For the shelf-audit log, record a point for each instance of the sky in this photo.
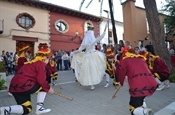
(94, 7)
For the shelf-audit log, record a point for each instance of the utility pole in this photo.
(113, 22)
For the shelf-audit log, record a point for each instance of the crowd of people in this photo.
(144, 71)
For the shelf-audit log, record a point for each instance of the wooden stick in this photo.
(59, 86)
(61, 95)
(113, 97)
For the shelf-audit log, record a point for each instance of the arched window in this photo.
(61, 26)
(25, 20)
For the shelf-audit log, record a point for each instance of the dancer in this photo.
(140, 79)
(89, 65)
(160, 70)
(111, 64)
(52, 73)
(23, 55)
(31, 78)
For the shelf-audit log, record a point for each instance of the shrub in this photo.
(2, 82)
(172, 76)
(2, 66)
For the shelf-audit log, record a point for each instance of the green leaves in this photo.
(169, 9)
(2, 83)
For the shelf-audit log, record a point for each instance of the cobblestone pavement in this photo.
(93, 102)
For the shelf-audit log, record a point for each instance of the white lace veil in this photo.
(88, 39)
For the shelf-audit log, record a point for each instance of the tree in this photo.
(111, 13)
(156, 34)
(169, 9)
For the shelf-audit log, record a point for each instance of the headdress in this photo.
(110, 53)
(23, 47)
(42, 53)
(43, 48)
(90, 27)
(128, 53)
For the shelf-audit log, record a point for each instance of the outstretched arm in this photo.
(102, 36)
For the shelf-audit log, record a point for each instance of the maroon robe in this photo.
(21, 62)
(160, 67)
(28, 76)
(140, 79)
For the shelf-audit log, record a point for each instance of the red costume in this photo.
(159, 66)
(111, 65)
(20, 62)
(29, 79)
(52, 72)
(22, 58)
(160, 70)
(140, 79)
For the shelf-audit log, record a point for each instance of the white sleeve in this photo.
(98, 38)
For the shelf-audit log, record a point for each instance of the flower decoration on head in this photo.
(43, 48)
(129, 53)
(42, 53)
(110, 53)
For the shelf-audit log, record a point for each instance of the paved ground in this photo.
(96, 102)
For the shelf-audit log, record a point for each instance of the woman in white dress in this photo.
(89, 65)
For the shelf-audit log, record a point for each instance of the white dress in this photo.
(90, 65)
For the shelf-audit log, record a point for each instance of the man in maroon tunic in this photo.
(140, 79)
(31, 78)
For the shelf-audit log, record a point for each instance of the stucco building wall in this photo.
(8, 12)
(67, 41)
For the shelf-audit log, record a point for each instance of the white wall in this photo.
(119, 30)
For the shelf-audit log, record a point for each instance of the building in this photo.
(35, 22)
(135, 23)
(23, 21)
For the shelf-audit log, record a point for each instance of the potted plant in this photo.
(2, 76)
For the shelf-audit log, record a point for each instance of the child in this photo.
(52, 72)
(111, 65)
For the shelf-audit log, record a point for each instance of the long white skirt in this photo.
(89, 67)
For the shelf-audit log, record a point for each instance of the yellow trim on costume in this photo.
(150, 65)
(22, 54)
(157, 75)
(24, 48)
(27, 103)
(38, 90)
(44, 52)
(115, 83)
(52, 63)
(37, 58)
(56, 73)
(29, 109)
(110, 69)
(131, 108)
(131, 55)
